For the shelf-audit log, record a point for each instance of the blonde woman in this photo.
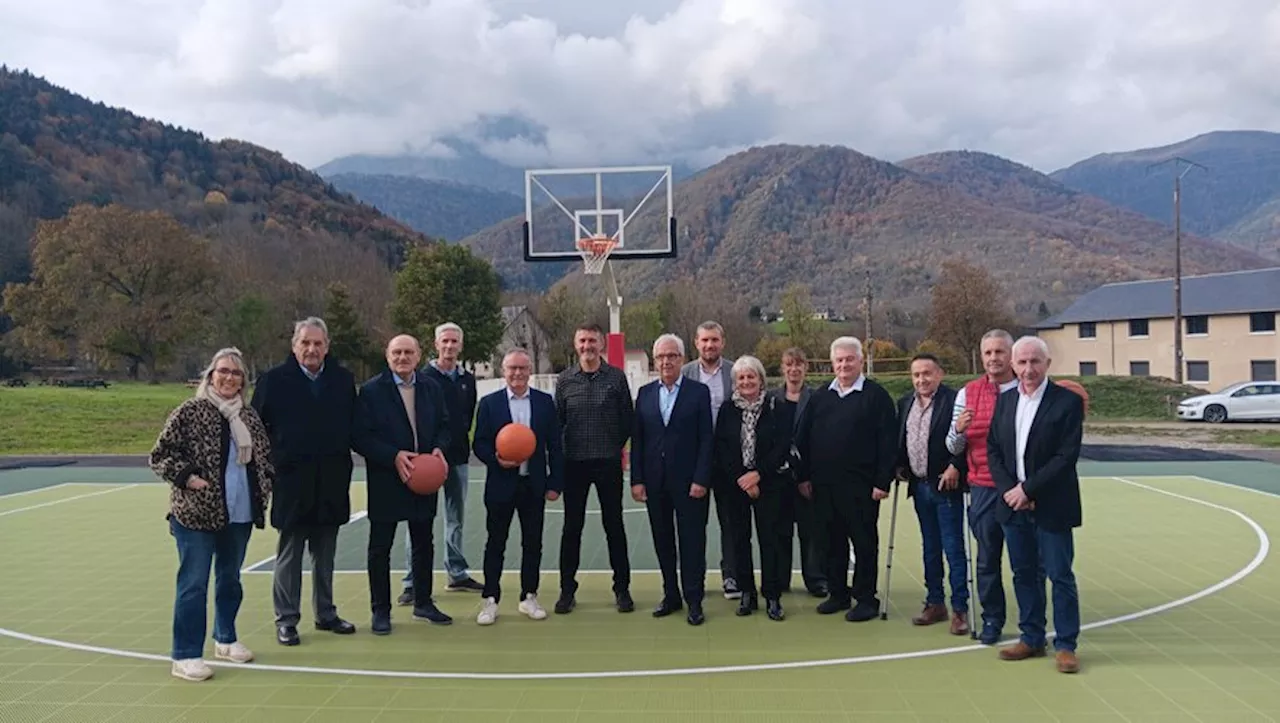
(215, 453)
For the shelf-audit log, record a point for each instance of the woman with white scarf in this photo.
(215, 454)
(749, 458)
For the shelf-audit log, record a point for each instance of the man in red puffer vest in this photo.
(975, 404)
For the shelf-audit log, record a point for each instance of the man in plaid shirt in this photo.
(594, 404)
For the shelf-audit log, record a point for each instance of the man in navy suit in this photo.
(517, 488)
(1033, 448)
(401, 415)
(671, 473)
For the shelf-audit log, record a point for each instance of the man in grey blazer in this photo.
(716, 372)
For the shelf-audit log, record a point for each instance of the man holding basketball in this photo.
(517, 482)
(401, 415)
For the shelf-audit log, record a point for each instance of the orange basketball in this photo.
(516, 442)
(429, 474)
(1077, 388)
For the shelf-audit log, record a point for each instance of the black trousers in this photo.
(773, 529)
(678, 523)
(530, 506)
(579, 476)
(801, 518)
(728, 565)
(848, 514)
(382, 536)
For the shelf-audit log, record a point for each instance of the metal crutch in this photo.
(888, 570)
(969, 565)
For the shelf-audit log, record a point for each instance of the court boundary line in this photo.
(253, 569)
(1264, 546)
(33, 490)
(51, 503)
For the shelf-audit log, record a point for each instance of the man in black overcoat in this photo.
(308, 406)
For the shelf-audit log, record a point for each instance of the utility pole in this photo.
(1177, 259)
(866, 320)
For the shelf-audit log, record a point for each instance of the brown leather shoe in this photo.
(1021, 651)
(1067, 662)
(930, 614)
(959, 624)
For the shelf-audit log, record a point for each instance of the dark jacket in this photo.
(460, 399)
(851, 442)
(383, 431)
(676, 455)
(944, 400)
(1052, 452)
(310, 427)
(772, 453)
(195, 441)
(546, 466)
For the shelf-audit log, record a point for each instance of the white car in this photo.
(1243, 401)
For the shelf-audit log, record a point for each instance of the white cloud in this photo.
(1044, 82)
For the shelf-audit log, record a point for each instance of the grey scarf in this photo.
(750, 416)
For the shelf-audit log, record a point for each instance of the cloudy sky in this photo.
(1044, 82)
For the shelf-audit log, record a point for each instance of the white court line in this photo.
(33, 491)
(66, 499)
(1229, 485)
(1264, 546)
(254, 567)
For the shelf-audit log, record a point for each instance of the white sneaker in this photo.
(488, 612)
(235, 652)
(193, 669)
(529, 606)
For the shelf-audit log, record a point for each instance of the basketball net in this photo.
(595, 252)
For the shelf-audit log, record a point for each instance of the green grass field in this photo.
(126, 417)
(1177, 592)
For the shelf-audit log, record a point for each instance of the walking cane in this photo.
(888, 571)
(969, 565)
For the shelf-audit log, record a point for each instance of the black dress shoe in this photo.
(337, 625)
(381, 623)
(695, 615)
(865, 610)
(625, 603)
(774, 609)
(748, 604)
(833, 605)
(665, 608)
(565, 604)
(819, 590)
(406, 597)
(431, 613)
(287, 635)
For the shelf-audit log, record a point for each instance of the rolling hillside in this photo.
(769, 216)
(439, 209)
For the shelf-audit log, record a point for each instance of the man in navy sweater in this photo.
(848, 444)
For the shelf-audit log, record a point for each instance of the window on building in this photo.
(1197, 324)
(1262, 321)
(1139, 369)
(1088, 369)
(1262, 370)
(1197, 371)
(1139, 327)
(1088, 330)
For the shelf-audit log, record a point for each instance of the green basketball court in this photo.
(1177, 587)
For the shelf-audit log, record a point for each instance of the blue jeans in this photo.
(989, 535)
(941, 518)
(197, 553)
(1034, 554)
(455, 506)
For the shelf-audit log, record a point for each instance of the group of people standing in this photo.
(707, 431)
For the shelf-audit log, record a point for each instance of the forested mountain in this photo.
(439, 209)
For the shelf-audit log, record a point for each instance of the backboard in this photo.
(631, 206)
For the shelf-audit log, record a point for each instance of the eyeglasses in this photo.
(228, 372)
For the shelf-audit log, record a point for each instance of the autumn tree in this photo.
(559, 313)
(445, 282)
(349, 340)
(642, 323)
(685, 304)
(966, 303)
(803, 331)
(128, 284)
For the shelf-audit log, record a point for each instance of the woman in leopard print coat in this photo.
(215, 453)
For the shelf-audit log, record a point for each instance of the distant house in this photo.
(520, 329)
(1229, 329)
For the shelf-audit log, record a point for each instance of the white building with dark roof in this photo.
(1126, 329)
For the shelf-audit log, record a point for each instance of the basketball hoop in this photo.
(595, 252)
